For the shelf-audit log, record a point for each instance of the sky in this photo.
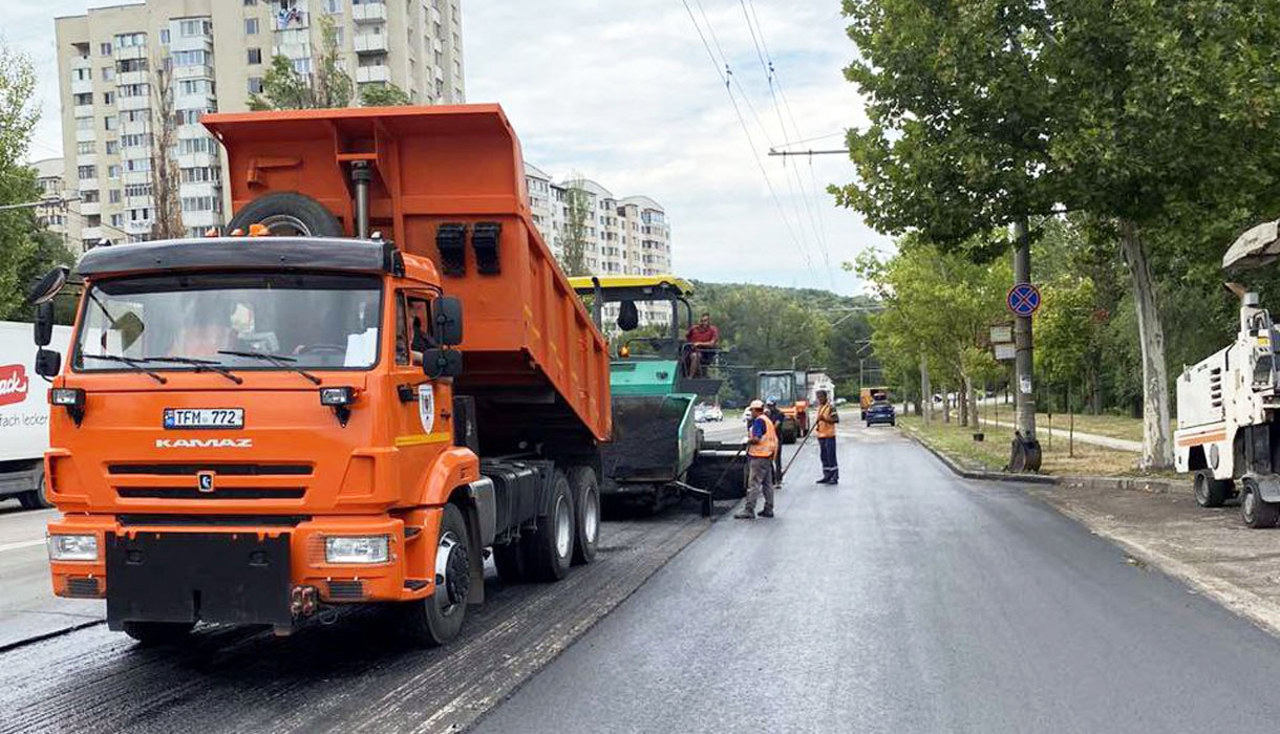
(634, 101)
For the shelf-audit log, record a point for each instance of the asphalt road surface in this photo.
(28, 608)
(905, 600)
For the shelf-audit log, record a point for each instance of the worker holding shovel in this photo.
(825, 426)
(762, 443)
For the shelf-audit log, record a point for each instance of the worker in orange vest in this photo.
(762, 443)
(825, 426)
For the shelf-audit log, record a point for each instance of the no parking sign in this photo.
(1023, 299)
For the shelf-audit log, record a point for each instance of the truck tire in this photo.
(288, 214)
(158, 633)
(437, 619)
(1211, 492)
(1256, 512)
(509, 559)
(586, 507)
(550, 548)
(39, 496)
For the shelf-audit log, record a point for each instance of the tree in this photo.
(284, 88)
(333, 83)
(383, 95)
(19, 226)
(1134, 112)
(166, 222)
(572, 240)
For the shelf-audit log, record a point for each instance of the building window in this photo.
(251, 26)
(108, 98)
(136, 190)
(113, 196)
(131, 65)
(250, 3)
(113, 171)
(84, 172)
(109, 123)
(125, 40)
(303, 65)
(137, 165)
(255, 85)
(190, 58)
(113, 147)
(117, 220)
(82, 99)
(104, 49)
(84, 148)
(108, 73)
(255, 56)
(194, 27)
(333, 7)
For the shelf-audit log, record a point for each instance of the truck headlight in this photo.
(71, 397)
(357, 549)
(73, 547)
(337, 396)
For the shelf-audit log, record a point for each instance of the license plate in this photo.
(204, 417)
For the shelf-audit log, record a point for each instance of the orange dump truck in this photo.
(353, 408)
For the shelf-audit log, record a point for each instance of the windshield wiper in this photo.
(134, 363)
(276, 359)
(201, 365)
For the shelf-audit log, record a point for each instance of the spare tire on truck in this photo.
(288, 214)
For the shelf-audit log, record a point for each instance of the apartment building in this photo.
(625, 236)
(125, 69)
(61, 218)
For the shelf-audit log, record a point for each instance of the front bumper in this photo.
(187, 569)
(873, 419)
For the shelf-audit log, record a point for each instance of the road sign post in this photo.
(1023, 301)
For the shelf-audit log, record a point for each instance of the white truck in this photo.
(1228, 435)
(24, 414)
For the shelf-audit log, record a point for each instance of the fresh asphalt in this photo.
(905, 600)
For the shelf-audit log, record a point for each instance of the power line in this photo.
(766, 62)
(751, 142)
(797, 187)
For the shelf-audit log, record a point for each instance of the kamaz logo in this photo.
(204, 443)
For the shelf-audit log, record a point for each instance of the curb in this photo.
(1134, 484)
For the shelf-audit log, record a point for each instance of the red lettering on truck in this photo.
(13, 384)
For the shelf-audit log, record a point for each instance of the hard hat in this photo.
(756, 405)
(771, 401)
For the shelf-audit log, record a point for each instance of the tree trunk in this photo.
(964, 401)
(926, 391)
(1157, 444)
(973, 404)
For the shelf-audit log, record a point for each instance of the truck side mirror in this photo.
(447, 313)
(44, 324)
(441, 363)
(48, 363)
(48, 286)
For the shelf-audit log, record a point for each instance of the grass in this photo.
(1112, 426)
(993, 453)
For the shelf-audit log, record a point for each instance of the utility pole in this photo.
(1026, 450)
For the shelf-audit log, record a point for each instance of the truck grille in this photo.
(229, 493)
(346, 590)
(228, 470)
(84, 588)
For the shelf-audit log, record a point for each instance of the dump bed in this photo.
(448, 184)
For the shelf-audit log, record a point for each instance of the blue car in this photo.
(881, 412)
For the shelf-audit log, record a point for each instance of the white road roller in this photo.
(1228, 434)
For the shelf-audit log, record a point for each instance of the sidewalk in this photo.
(1119, 444)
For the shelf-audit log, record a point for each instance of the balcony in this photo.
(141, 227)
(124, 53)
(197, 160)
(81, 62)
(81, 86)
(295, 21)
(88, 184)
(370, 43)
(195, 71)
(91, 233)
(133, 77)
(369, 13)
(373, 74)
(140, 102)
(201, 219)
(137, 177)
(86, 136)
(82, 110)
(89, 208)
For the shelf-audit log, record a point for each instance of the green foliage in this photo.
(572, 241)
(18, 227)
(284, 88)
(333, 83)
(383, 95)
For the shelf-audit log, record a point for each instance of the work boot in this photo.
(745, 515)
(824, 480)
(766, 513)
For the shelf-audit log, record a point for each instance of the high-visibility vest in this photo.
(823, 425)
(768, 443)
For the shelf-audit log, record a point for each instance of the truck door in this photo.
(420, 433)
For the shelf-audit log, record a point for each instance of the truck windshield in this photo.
(307, 320)
(778, 387)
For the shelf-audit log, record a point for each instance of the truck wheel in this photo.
(1255, 512)
(288, 213)
(586, 506)
(550, 547)
(39, 497)
(437, 619)
(158, 633)
(510, 561)
(1211, 492)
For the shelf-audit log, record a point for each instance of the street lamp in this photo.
(796, 356)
